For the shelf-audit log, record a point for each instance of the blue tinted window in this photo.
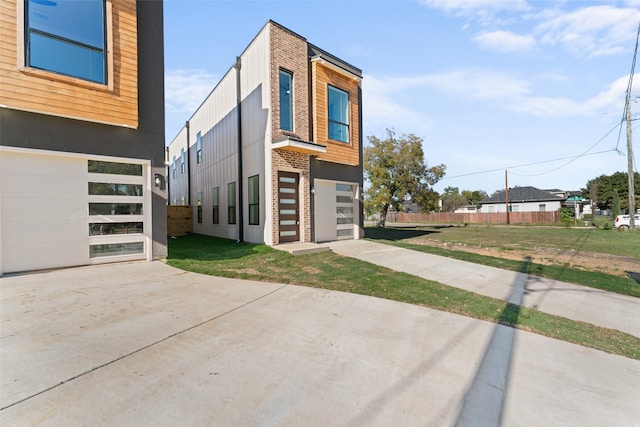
(286, 101)
(338, 114)
(67, 37)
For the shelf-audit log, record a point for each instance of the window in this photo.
(114, 189)
(67, 37)
(286, 101)
(338, 102)
(215, 195)
(198, 148)
(254, 200)
(182, 160)
(175, 168)
(542, 207)
(114, 168)
(199, 205)
(231, 203)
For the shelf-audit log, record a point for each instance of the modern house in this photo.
(81, 133)
(274, 153)
(522, 199)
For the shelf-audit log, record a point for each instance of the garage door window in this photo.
(116, 206)
(344, 210)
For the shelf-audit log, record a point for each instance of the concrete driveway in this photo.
(146, 344)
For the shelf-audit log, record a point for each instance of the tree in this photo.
(604, 187)
(395, 170)
(452, 199)
(615, 204)
(474, 197)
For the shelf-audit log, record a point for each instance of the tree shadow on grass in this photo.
(633, 275)
(397, 233)
(208, 248)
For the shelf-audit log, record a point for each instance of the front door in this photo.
(288, 206)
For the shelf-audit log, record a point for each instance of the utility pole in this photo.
(506, 192)
(630, 175)
(632, 196)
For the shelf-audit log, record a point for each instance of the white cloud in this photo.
(383, 105)
(186, 89)
(505, 41)
(591, 31)
(467, 7)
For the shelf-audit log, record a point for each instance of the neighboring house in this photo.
(274, 153)
(82, 133)
(522, 199)
(468, 209)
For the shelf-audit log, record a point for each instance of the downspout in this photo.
(240, 202)
(188, 167)
(168, 169)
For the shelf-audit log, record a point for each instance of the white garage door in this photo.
(66, 210)
(336, 212)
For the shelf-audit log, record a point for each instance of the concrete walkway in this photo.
(145, 344)
(563, 299)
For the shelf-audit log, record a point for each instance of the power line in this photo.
(570, 158)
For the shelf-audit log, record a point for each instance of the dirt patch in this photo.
(609, 264)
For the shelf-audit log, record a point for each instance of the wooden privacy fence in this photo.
(477, 218)
(179, 220)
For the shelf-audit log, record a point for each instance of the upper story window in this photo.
(67, 37)
(338, 114)
(182, 160)
(286, 100)
(198, 148)
(175, 168)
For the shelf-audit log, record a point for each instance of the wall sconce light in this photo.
(158, 180)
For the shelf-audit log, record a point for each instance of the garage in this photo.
(64, 209)
(336, 211)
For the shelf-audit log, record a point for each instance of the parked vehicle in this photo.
(622, 222)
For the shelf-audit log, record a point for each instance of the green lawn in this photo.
(522, 238)
(222, 257)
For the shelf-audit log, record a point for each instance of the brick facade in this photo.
(290, 52)
(293, 162)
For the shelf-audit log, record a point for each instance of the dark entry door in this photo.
(288, 206)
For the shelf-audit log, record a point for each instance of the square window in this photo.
(67, 37)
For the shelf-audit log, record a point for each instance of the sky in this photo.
(533, 87)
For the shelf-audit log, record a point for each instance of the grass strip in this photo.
(592, 279)
(327, 270)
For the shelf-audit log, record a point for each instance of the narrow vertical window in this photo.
(175, 167)
(199, 206)
(338, 114)
(286, 101)
(67, 37)
(215, 196)
(231, 203)
(182, 160)
(198, 148)
(254, 200)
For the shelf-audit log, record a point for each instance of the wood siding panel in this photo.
(50, 93)
(337, 152)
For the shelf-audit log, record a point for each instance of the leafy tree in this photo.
(615, 204)
(474, 197)
(396, 171)
(601, 190)
(452, 199)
